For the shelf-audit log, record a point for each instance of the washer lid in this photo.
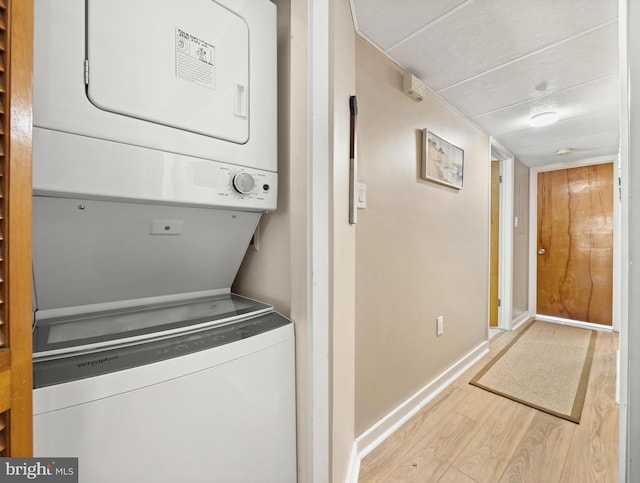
(95, 330)
(180, 64)
(88, 252)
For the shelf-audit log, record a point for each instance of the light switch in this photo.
(439, 325)
(361, 202)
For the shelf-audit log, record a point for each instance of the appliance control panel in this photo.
(253, 185)
(248, 184)
(243, 183)
(80, 167)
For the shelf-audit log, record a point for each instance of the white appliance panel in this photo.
(185, 67)
(232, 406)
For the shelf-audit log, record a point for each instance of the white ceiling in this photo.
(499, 62)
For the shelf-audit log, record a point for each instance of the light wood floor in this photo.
(468, 435)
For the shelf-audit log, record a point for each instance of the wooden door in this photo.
(16, 53)
(575, 243)
(495, 244)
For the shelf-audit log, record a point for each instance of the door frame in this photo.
(505, 244)
(533, 241)
(318, 242)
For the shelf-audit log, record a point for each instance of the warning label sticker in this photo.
(195, 59)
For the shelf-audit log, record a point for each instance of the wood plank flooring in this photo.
(468, 435)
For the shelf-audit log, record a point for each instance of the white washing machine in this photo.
(154, 158)
(212, 405)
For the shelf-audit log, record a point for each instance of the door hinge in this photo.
(500, 179)
(86, 71)
(620, 187)
(499, 303)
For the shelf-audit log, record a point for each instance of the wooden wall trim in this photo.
(18, 219)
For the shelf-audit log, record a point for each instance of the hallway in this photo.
(468, 435)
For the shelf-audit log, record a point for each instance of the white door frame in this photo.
(318, 233)
(505, 247)
(628, 387)
(533, 239)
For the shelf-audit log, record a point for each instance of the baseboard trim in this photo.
(519, 320)
(376, 434)
(354, 465)
(573, 323)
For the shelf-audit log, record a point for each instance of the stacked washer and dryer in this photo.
(154, 157)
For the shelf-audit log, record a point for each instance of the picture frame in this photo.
(442, 161)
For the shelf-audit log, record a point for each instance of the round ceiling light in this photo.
(543, 119)
(564, 151)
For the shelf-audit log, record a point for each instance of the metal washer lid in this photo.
(92, 252)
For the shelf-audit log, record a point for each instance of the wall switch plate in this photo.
(439, 325)
(361, 201)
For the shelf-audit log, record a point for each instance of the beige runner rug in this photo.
(546, 367)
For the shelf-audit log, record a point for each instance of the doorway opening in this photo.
(494, 297)
(573, 243)
(501, 256)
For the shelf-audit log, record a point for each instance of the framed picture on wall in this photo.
(442, 162)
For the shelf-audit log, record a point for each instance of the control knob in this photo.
(243, 183)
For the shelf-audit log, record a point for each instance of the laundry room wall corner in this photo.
(265, 273)
(277, 271)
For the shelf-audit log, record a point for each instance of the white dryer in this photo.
(164, 100)
(154, 158)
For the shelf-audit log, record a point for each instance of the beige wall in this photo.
(265, 273)
(422, 250)
(520, 239)
(343, 243)
(277, 273)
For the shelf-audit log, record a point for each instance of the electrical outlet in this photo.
(439, 325)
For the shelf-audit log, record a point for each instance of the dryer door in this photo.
(180, 64)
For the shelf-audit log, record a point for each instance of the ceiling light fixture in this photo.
(564, 151)
(543, 119)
